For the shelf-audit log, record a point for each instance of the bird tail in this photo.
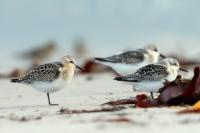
(125, 78)
(101, 59)
(119, 78)
(15, 80)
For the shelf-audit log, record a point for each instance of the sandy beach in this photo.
(23, 109)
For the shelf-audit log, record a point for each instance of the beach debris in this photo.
(196, 105)
(41, 52)
(12, 74)
(185, 92)
(120, 119)
(145, 101)
(80, 50)
(191, 110)
(14, 117)
(185, 62)
(80, 47)
(96, 110)
(121, 102)
(17, 73)
(92, 67)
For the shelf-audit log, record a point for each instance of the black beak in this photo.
(79, 68)
(183, 70)
(163, 56)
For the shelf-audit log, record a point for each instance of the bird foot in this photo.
(53, 104)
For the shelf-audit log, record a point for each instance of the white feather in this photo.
(127, 69)
(151, 86)
(49, 86)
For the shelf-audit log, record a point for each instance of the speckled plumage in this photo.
(150, 72)
(45, 73)
(153, 76)
(127, 57)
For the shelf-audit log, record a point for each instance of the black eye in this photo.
(156, 49)
(175, 64)
(71, 62)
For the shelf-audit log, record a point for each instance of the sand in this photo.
(19, 102)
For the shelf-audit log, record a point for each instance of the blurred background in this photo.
(49, 29)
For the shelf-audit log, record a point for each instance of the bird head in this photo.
(69, 61)
(152, 49)
(173, 63)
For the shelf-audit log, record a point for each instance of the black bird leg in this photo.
(50, 101)
(151, 94)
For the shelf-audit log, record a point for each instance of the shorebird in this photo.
(130, 61)
(152, 77)
(42, 52)
(50, 77)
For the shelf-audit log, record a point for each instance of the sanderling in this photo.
(41, 53)
(152, 77)
(130, 61)
(50, 77)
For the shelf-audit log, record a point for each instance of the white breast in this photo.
(172, 74)
(152, 57)
(125, 69)
(151, 86)
(49, 86)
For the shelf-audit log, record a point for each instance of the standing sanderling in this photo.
(130, 61)
(152, 77)
(50, 77)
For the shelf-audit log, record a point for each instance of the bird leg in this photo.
(151, 94)
(50, 104)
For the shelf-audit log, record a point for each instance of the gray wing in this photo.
(46, 73)
(129, 57)
(150, 72)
